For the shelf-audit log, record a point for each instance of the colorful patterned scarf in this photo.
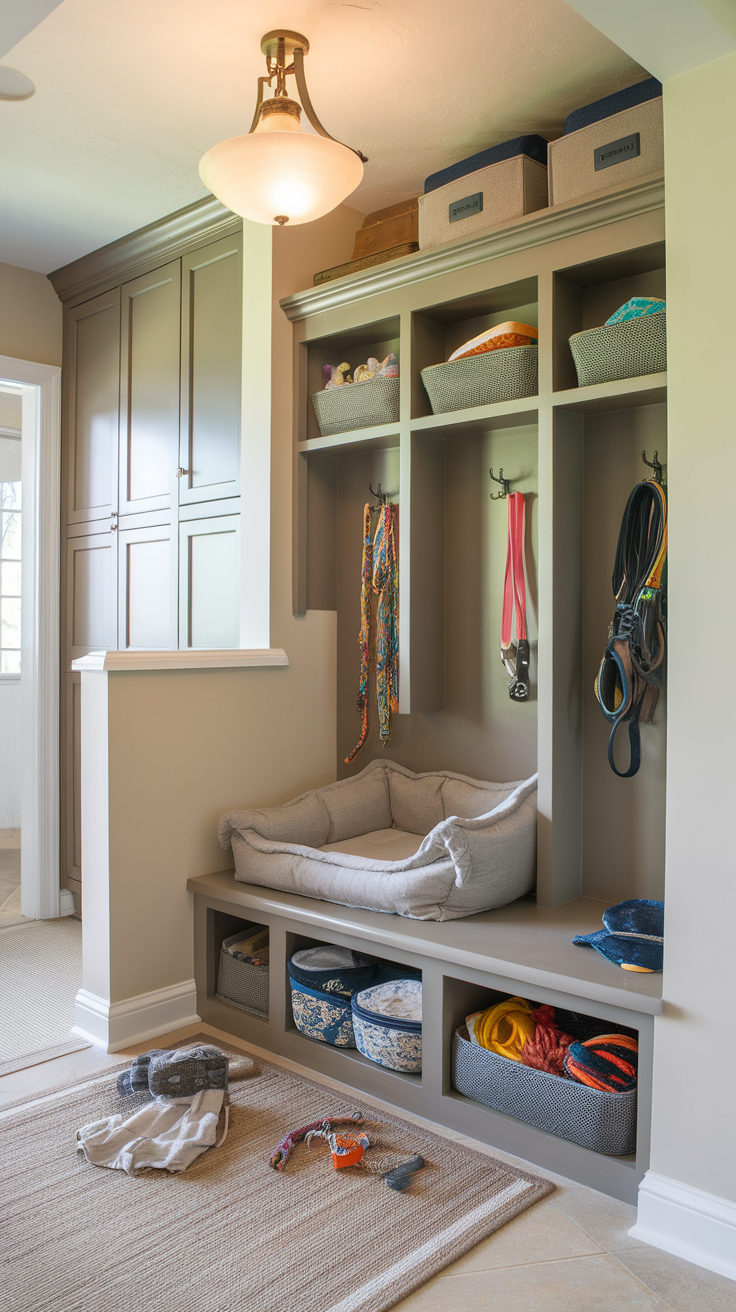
(379, 574)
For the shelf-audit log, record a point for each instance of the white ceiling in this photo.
(130, 93)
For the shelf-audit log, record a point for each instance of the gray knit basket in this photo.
(240, 983)
(621, 350)
(357, 405)
(483, 379)
(605, 1122)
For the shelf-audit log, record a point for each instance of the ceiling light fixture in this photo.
(277, 173)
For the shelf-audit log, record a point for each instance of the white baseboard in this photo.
(687, 1222)
(66, 902)
(115, 1025)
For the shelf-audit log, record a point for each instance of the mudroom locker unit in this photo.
(151, 456)
(576, 453)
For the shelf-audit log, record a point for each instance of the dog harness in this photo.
(627, 684)
(515, 656)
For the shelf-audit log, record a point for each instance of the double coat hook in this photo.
(653, 464)
(378, 493)
(505, 485)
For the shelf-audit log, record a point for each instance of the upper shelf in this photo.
(360, 439)
(651, 389)
(523, 942)
(480, 418)
(552, 224)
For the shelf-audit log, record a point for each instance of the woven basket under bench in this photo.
(605, 1122)
(243, 984)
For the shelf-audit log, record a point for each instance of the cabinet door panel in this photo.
(149, 393)
(92, 407)
(209, 582)
(147, 619)
(211, 370)
(91, 591)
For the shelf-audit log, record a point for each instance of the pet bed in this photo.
(433, 846)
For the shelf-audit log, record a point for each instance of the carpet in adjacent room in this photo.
(40, 975)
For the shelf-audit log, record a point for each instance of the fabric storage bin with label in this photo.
(357, 405)
(621, 350)
(242, 975)
(609, 143)
(387, 1021)
(323, 980)
(604, 1122)
(482, 379)
(500, 187)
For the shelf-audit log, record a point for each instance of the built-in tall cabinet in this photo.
(151, 454)
(575, 452)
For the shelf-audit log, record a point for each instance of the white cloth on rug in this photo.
(168, 1133)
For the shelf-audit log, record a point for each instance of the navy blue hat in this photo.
(633, 937)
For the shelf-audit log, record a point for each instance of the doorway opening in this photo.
(29, 642)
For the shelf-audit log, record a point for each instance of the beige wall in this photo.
(186, 746)
(30, 316)
(695, 1054)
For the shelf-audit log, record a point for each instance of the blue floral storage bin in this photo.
(387, 1023)
(323, 980)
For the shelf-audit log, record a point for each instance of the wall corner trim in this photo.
(230, 658)
(115, 1025)
(697, 1226)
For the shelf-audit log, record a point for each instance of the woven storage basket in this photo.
(484, 379)
(240, 983)
(357, 405)
(605, 1122)
(621, 350)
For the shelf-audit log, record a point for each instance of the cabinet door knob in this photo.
(181, 472)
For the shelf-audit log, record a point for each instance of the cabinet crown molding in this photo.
(144, 249)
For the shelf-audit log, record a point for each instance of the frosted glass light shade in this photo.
(268, 175)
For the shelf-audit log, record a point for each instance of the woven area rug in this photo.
(230, 1234)
(40, 974)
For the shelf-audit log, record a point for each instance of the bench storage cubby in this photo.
(602, 1121)
(242, 978)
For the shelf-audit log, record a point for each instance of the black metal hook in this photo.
(378, 493)
(653, 464)
(505, 485)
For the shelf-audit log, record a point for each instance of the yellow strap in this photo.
(505, 1027)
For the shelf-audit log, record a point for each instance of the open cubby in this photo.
(461, 999)
(354, 346)
(220, 926)
(623, 819)
(438, 330)
(586, 295)
(458, 550)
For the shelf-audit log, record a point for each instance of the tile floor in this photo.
(570, 1253)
